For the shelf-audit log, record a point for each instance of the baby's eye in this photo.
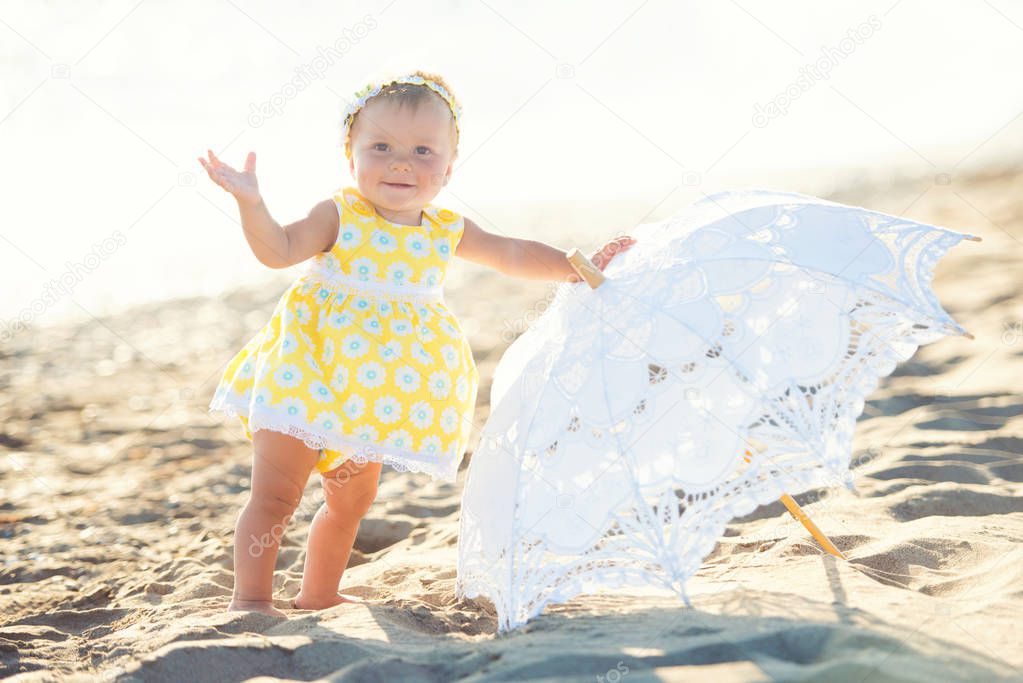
(424, 148)
(379, 144)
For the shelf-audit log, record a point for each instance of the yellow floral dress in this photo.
(362, 358)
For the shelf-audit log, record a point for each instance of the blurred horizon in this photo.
(605, 114)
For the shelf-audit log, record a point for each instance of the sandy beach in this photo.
(119, 494)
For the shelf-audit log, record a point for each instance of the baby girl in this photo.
(362, 364)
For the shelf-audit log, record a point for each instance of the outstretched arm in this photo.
(274, 246)
(529, 259)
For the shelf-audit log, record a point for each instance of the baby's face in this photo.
(401, 160)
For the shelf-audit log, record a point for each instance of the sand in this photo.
(119, 494)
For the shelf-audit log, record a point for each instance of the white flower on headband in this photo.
(372, 89)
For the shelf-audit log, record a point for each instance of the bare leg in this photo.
(280, 469)
(349, 492)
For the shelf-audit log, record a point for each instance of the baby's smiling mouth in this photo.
(399, 185)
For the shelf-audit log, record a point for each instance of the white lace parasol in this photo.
(721, 365)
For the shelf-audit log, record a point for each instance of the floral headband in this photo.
(371, 89)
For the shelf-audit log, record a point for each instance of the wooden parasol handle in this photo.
(585, 268)
(793, 507)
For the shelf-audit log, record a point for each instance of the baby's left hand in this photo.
(607, 252)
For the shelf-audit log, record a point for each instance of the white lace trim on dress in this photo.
(372, 288)
(358, 450)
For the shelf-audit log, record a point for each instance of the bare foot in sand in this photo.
(302, 602)
(266, 607)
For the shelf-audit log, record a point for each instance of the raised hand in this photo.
(241, 184)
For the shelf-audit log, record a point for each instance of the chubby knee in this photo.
(350, 502)
(271, 504)
(353, 496)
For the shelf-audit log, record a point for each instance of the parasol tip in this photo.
(974, 238)
(968, 335)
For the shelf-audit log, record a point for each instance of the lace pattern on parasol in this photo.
(799, 436)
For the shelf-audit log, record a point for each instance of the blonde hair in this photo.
(401, 94)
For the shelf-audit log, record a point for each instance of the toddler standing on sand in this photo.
(361, 363)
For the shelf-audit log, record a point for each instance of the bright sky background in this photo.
(104, 107)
